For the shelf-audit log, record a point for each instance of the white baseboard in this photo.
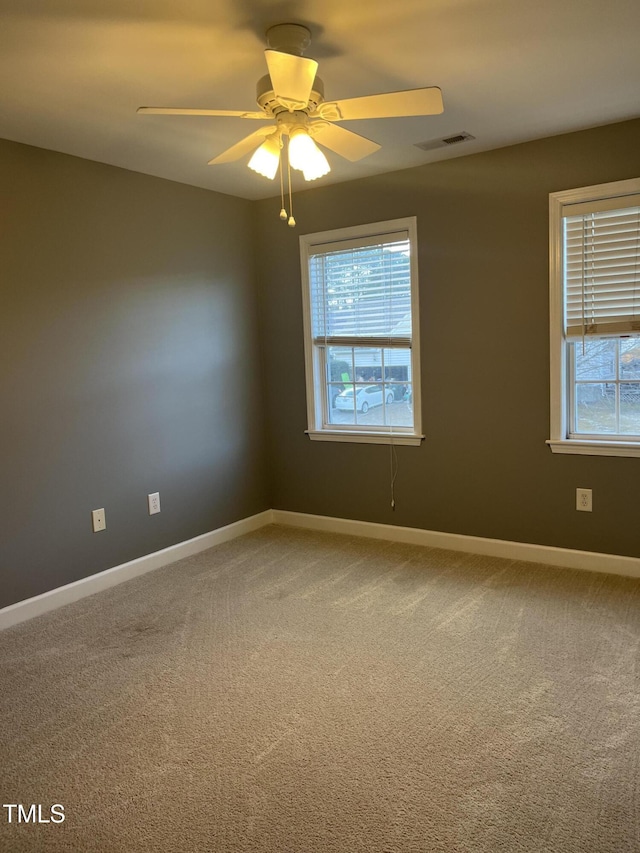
(39, 604)
(586, 560)
(565, 557)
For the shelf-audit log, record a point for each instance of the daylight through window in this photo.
(596, 328)
(360, 293)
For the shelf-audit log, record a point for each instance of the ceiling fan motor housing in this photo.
(266, 97)
(289, 38)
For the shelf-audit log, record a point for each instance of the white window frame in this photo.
(318, 430)
(560, 378)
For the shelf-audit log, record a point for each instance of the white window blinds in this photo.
(602, 267)
(361, 291)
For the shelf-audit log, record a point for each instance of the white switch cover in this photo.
(154, 503)
(99, 520)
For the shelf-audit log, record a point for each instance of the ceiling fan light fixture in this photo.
(266, 158)
(291, 96)
(305, 155)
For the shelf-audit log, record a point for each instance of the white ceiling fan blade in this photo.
(249, 143)
(344, 142)
(292, 78)
(175, 111)
(412, 102)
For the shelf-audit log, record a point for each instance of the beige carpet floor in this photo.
(293, 691)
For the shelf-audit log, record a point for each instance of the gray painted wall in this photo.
(129, 360)
(128, 364)
(484, 468)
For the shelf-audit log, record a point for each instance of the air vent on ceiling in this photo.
(456, 139)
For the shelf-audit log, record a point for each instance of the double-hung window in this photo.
(362, 357)
(595, 320)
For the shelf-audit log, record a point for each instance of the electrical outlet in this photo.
(584, 500)
(154, 503)
(99, 520)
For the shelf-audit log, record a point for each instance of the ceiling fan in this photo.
(291, 98)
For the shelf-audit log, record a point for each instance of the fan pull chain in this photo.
(393, 460)
(283, 212)
(393, 455)
(291, 221)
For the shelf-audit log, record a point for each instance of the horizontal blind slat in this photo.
(602, 268)
(604, 206)
(359, 243)
(363, 291)
(371, 342)
(605, 329)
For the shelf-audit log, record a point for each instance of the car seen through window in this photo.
(366, 397)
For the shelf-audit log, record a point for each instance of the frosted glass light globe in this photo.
(266, 158)
(305, 155)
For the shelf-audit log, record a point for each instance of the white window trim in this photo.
(559, 442)
(363, 435)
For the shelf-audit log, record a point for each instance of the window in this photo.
(360, 297)
(595, 320)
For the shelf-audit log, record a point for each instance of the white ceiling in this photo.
(73, 72)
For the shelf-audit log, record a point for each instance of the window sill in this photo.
(365, 437)
(594, 448)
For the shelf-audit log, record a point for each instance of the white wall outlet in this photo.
(99, 520)
(584, 500)
(154, 503)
